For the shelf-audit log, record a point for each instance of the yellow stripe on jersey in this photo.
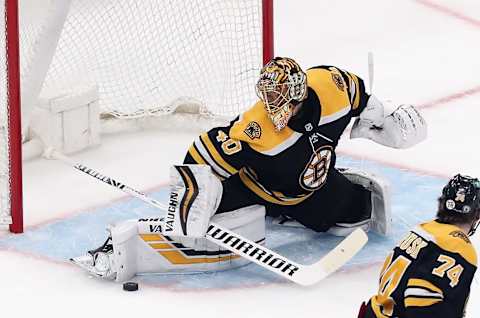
(450, 238)
(199, 160)
(420, 302)
(268, 138)
(353, 82)
(387, 262)
(375, 305)
(274, 197)
(196, 156)
(356, 101)
(333, 94)
(417, 282)
(215, 155)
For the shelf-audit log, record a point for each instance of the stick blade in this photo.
(336, 258)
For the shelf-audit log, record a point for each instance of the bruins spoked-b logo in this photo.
(315, 173)
(253, 130)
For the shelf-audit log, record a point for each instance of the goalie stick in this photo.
(301, 274)
(370, 71)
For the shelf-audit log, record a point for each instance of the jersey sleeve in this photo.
(438, 286)
(349, 83)
(216, 148)
(356, 92)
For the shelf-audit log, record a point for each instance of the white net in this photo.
(146, 57)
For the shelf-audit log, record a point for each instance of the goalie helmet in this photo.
(461, 197)
(281, 82)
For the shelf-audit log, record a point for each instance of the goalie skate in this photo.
(98, 262)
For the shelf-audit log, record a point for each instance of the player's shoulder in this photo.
(331, 88)
(449, 238)
(324, 77)
(255, 128)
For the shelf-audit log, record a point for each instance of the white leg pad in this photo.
(339, 229)
(381, 219)
(345, 229)
(140, 247)
(124, 236)
(195, 194)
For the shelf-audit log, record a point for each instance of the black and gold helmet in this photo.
(462, 194)
(460, 202)
(281, 82)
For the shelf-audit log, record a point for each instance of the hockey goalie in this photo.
(276, 159)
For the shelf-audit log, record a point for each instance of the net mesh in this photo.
(146, 57)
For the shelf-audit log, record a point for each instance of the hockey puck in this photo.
(130, 286)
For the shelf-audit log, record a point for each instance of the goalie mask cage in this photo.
(144, 56)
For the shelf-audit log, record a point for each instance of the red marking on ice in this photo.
(69, 214)
(450, 12)
(451, 98)
(464, 18)
(395, 165)
(34, 256)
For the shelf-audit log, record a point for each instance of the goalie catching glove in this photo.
(401, 128)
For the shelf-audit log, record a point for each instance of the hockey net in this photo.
(144, 58)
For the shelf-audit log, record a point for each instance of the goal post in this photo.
(11, 203)
(267, 30)
(130, 58)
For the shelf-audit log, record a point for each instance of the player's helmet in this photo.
(461, 198)
(281, 82)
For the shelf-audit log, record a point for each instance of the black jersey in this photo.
(427, 275)
(285, 167)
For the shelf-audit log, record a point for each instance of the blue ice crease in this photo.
(413, 201)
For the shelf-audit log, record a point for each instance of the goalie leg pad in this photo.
(339, 229)
(379, 202)
(159, 253)
(345, 229)
(124, 236)
(381, 218)
(116, 258)
(139, 247)
(195, 194)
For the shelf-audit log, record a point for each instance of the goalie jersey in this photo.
(285, 167)
(427, 275)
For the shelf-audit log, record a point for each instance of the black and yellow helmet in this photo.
(281, 82)
(462, 194)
